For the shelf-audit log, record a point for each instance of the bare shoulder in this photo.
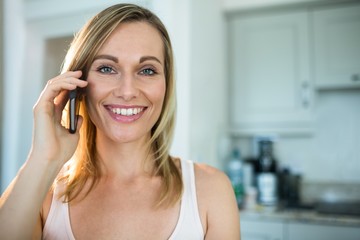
(211, 184)
(217, 203)
(208, 175)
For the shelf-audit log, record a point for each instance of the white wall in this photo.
(333, 154)
(208, 108)
(14, 45)
(1, 75)
(231, 5)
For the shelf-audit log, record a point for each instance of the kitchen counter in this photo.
(299, 216)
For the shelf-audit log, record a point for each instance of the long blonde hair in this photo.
(80, 56)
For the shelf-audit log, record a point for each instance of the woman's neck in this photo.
(124, 160)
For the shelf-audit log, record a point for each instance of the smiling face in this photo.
(127, 84)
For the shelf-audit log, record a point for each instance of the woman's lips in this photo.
(125, 114)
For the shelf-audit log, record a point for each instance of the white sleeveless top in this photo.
(58, 227)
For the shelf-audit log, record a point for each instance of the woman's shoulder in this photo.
(208, 175)
(210, 179)
(216, 202)
(211, 183)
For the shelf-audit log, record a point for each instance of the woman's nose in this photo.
(126, 88)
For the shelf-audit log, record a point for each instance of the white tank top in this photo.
(57, 225)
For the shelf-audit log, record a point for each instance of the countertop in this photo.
(299, 216)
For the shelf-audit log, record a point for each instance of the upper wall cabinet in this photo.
(336, 34)
(270, 83)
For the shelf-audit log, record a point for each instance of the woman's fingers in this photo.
(65, 81)
(60, 103)
(51, 93)
(54, 97)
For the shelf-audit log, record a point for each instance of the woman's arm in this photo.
(52, 146)
(217, 199)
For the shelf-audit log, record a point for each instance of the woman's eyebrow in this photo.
(145, 58)
(105, 56)
(115, 59)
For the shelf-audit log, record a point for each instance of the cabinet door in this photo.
(337, 47)
(321, 232)
(261, 230)
(271, 88)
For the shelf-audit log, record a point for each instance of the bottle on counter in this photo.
(266, 179)
(250, 190)
(289, 187)
(235, 173)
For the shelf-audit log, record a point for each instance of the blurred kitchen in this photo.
(268, 91)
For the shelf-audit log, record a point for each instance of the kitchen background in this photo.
(288, 69)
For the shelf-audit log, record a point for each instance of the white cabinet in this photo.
(297, 231)
(294, 230)
(261, 230)
(337, 47)
(270, 83)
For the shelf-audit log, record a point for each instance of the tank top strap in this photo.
(57, 225)
(189, 225)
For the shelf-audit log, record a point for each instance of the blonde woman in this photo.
(114, 178)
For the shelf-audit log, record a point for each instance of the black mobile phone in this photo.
(74, 105)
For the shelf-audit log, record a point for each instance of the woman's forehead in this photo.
(134, 38)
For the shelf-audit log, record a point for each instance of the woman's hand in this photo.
(51, 140)
(52, 146)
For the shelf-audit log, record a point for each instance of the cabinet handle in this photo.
(305, 94)
(355, 77)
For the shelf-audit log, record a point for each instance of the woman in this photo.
(120, 181)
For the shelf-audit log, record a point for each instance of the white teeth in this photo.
(126, 111)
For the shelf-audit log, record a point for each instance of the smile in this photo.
(127, 111)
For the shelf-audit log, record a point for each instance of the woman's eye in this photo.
(147, 72)
(105, 69)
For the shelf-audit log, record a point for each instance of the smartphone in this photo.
(74, 105)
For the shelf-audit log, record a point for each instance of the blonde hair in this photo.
(80, 56)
